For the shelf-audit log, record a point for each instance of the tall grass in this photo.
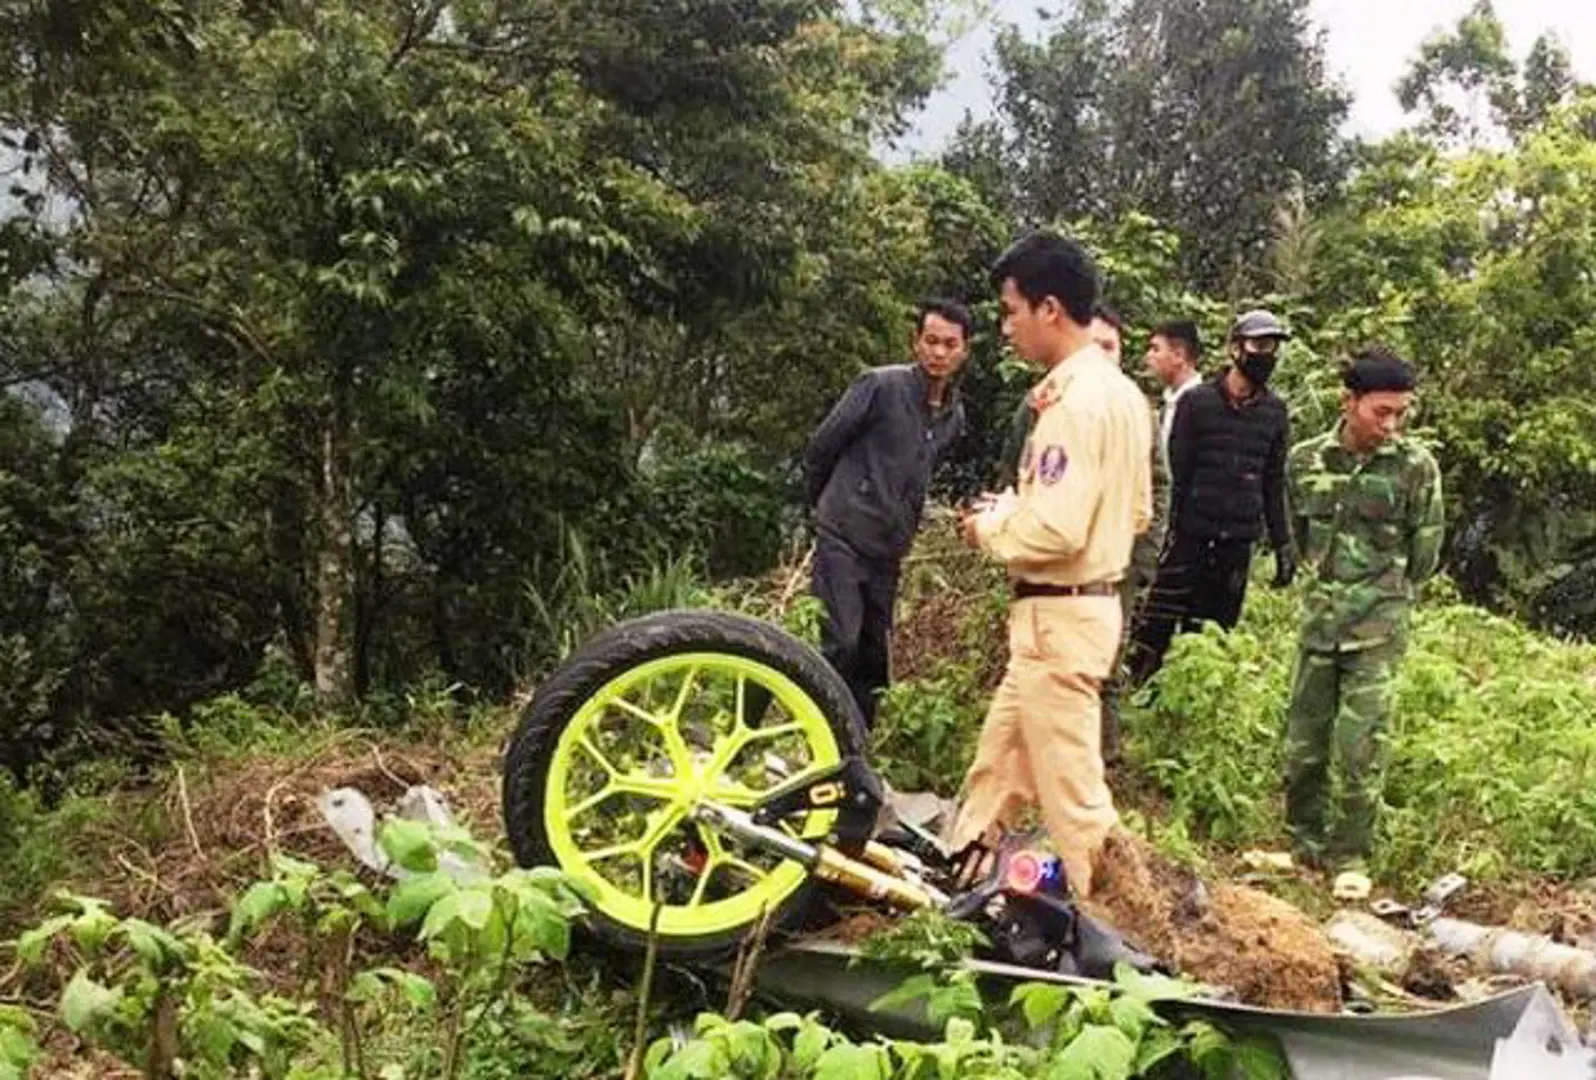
(585, 591)
(1489, 752)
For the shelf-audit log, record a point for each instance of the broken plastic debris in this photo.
(1268, 860)
(352, 817)
(1544, 1045)
(1351, 886)
(1371, 942)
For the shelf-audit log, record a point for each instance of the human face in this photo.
(1256, 358)
(1256, 346)
(1032, 332)
(940, 347)
(1165, 360)
(1374, 418)
(1106, 337)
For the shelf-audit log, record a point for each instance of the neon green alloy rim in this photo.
(646, 749)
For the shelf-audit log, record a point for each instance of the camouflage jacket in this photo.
(1369, 527)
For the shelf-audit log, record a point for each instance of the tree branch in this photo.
(420, 21)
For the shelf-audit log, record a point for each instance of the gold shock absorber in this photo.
(884, 858)
(832, 865)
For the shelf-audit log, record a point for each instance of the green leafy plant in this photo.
(163, 997)
(179, 1002)
(484, 931)
(18, 1050)
(330, 909)
(926, 730)
(1057, 1032)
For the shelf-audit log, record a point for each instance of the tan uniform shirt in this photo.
(1085, 480)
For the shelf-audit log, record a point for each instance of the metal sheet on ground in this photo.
(1456, 1043)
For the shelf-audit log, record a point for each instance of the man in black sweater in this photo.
(867, 469)
(1227, 459)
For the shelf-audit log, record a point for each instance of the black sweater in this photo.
(869, 464)
(1227, 461)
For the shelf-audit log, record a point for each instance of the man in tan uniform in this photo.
(1084, 493)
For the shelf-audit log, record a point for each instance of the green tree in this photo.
(1474, 266)
(1206, 116)
(352, 310)
(1468, 89)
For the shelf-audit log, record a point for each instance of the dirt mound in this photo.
(1229, 936)
(212, 830)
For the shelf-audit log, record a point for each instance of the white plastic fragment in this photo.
(1280, 861)
(423, 803)
(1351, 887)
(1371, 942)
(351, 816)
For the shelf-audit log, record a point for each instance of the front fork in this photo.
(879, 872)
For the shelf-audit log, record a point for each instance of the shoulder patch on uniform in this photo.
(1050, 470)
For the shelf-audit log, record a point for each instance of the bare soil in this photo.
(221, 823)
(1256, 945)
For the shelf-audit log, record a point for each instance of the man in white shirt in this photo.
(1172, 355)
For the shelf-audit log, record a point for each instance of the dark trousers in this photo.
(1200, 579)
(858, 595)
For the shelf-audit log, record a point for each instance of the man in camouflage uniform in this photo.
(1365, 506)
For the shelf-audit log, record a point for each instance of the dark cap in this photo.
(1259, 324)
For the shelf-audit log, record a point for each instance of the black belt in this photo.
(1025, 589)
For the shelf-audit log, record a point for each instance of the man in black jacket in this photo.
(1227, 459)
(868, 467)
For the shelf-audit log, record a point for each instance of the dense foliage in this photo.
(317, 974)
(371, 336)
(1490, 750)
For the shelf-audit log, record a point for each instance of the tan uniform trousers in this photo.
(1041, 742)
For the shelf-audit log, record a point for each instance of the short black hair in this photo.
(951, 310)
(1181, 332)
(1378, 369)
(1045, 264)
(1105, 311)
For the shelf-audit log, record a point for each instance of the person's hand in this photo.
(967, 523)
(1285, 567)
(983, 505)
(969, 533)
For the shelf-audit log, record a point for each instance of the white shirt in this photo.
(1166, 415)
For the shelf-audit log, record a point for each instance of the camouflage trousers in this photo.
(1339, 702)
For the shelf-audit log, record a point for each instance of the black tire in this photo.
(608, 656)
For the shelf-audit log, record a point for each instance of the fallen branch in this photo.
(794, 579)
(634, 1065)
(188, 814)
(266, 813)
(742, 981)
(382, 767)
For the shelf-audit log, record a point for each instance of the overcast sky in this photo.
(1370, 44)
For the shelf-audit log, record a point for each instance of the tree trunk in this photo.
(335, 568)
(368, 601)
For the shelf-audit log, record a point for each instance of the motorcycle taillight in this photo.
(1033, 871)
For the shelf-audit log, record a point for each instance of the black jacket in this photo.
(1227, 462)
(868, 466)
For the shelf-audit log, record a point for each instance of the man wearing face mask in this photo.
(1227, 461)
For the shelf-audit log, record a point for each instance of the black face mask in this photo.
(1257, 367)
